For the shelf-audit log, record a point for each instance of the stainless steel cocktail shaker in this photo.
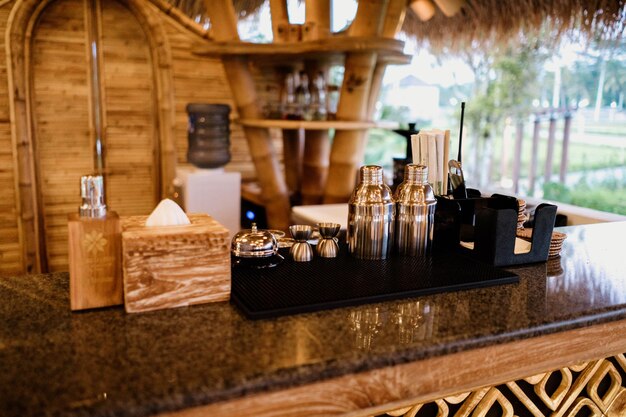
(415, 212)
(371, 216)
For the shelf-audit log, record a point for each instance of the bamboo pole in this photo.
(293, 149)
(316, 142)
(315, 166)
(181, 18)
(317, 19)
(19, 26)
(349, 146)
(396, 11)
(280, 20)
(293, 140)
(275, 196)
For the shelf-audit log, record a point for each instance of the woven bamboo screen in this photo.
(130, 104)
(58, 72)
(60, 106)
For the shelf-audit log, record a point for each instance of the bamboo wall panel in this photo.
(131, 139)
(60, 113)
(58, 83)
(10, 250)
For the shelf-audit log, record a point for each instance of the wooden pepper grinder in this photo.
(95, 249)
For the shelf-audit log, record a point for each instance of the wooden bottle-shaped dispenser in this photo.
(95, 248)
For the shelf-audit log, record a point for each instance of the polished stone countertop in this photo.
(109, 363)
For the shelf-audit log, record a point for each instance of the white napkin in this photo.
(167, 213)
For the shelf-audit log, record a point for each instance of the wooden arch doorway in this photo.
(95, 98)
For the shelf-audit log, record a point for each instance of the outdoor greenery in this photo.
(515, 85)
(609, 195)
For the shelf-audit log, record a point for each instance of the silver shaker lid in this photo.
(415, 188)
(371, 174)
(92, 193)
(416, 174)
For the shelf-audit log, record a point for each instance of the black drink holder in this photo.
(491, 223)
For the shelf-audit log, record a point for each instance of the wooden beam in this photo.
(396, 11)
(532, 170)
(280, 20)
(317, 19)
(224, 21)
(316, 142)
(20, 25)
(517, 156)
(349, 146)
(565, 150)
(315, 166)
(293, 149)
(550, 152)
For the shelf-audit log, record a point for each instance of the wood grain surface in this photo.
(95, 261)
(174, 266)
(378, 391)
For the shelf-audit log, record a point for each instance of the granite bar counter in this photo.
(209, 360)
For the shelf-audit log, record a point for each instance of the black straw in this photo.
(461, 130)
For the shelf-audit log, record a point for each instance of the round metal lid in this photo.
(254, 243)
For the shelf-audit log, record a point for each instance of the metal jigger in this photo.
(327, 247)
(301, 251)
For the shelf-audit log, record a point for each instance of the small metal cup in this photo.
(301, 251)
(328, 247)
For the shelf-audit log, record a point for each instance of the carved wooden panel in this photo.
(592, 389)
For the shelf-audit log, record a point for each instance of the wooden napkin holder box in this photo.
(174, 266)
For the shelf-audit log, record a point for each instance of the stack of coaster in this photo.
(554, 267)
(521, 215)
(556, 244)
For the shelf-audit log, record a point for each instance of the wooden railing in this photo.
(551, 116)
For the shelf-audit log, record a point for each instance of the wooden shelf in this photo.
(315, 125)
(332, 49)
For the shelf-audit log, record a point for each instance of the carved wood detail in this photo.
(596, 388)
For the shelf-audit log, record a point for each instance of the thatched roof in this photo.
(195, 8)
(497, 21)
(488, 21)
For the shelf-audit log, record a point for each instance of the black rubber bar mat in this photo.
(302, 287)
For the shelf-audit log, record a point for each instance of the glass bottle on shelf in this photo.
(318, 97)
(303, 97)
(332, 101)
(288, 98)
